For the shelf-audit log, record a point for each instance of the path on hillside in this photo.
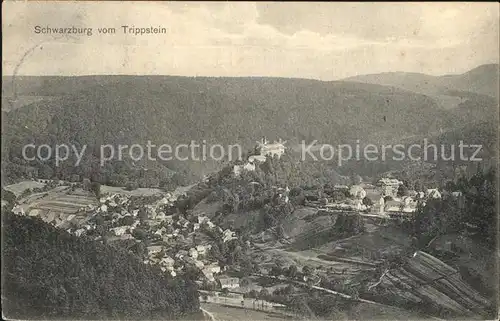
(179, 190)
(210, 315)
(45, 196)
(340, 294)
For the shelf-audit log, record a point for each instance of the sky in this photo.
(325, 41)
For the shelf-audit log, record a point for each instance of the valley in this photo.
(269, 236)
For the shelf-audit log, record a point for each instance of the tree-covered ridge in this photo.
(472, 211)
(49, 273)
(175, 110)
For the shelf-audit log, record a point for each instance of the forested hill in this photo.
(51, 274)
(96, 110)
(178, 109)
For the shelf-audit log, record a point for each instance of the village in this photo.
(382, 199)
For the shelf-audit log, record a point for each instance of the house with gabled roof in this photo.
(229, 282)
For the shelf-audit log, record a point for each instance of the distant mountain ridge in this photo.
(480, 80)
(217, 99)
(178, 109)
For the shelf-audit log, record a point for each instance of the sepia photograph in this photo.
(252, 161)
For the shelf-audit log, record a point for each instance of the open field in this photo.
(20, 187)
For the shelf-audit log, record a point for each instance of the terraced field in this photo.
(58, 205)
(67, 203)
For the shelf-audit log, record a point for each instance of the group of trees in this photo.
(291, 170)
(234, 252)
(263, 294)
(348, 225)
(8, 196)
(472, 211)
(292, 271)
(113, 173)
(275, 216)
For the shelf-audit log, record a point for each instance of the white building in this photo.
(202, 249)
(120, 230)
(389, 186)
(277, 148)
(160, 231)
(238, 169)
(228, 235)
(202, 219)
(167, 262)
(154, 249)
(433, 193)
(18, 210)
(214, 268)
(229, 283)
(257, 158)
(193, 253)
(208, 274)
(357, 191)
(79, 232)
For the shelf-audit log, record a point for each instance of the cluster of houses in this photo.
(174, 253)
(120, 213)
(170, 237)
(390, 202)
(353, 203)
(383, 196)
(175, 262)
